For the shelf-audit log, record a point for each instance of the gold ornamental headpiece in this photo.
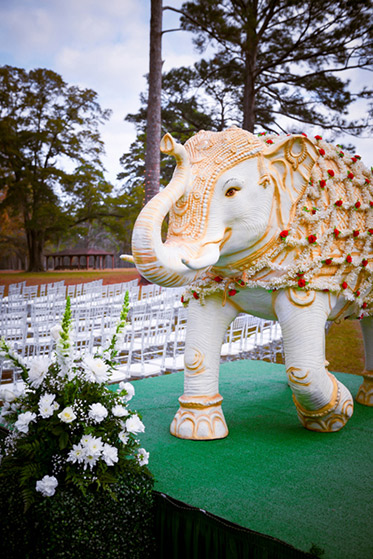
(210, 154)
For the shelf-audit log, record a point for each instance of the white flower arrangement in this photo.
(67, 426)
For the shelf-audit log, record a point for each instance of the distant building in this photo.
(79, 258)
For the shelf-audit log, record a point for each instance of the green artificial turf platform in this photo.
(311, 490)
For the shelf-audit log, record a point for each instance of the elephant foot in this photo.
(331, 417)
(199, 418)
(365, 393)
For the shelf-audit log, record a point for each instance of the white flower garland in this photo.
(336, 210)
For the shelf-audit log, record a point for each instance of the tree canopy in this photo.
(275, 65)
(283, 58)
(51, 174)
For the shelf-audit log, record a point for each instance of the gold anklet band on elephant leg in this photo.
(365, 393)
(199, 418)
(331, 417)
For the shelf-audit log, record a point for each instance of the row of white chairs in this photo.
(153, 341)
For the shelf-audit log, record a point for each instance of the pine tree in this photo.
(283, 58)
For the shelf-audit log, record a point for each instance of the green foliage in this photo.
(270, 65)
(66, 427)
(44, 124)
(73, 526)
(284, 58)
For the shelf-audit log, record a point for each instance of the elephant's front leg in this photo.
(200, 416)
(322, 402)
(365, 393)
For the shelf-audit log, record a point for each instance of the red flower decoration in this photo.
(218, 279)
(318, 137)
(284, 234)
(371, 204)
(182, 299)
(322, 183)
(330, 172)
(350, 176)
(341, 154)
(312, 239)
(302, 282)
(356, 232)
(357, 156)
(241, 282)
(339, 203)
(365, 305)
(349, 258)
(357, 204)
(357, 293)
(269, 141)
(328, 261)
(195, 295)
(232, 292)
(367, 181)
(303, 134)
(364, 263)
(353, 159)
(370, 231)
(321, 151)
(344, 285)
(336, 232)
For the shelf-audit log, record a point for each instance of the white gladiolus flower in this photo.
(56, 331)
(23, 421)
(97, 412)
(134, 425)
(47, 486)
(124, 437)
(128, 387)
(76, 454)
(67, 415)
(142, 456)
(96, 369)
(110, 454)
(47, 405)
(37, 370)
(119, 411)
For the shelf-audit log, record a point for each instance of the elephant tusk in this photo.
(210, 256)
(127, 258)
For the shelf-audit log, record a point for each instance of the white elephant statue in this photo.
(276, 226)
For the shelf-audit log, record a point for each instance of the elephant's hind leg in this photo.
(323, 403)
(200, 416)
(365, 393)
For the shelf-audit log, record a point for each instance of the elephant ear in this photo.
(288, 164)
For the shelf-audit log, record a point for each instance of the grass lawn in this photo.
(344, 342)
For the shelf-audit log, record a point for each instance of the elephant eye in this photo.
(232, 191)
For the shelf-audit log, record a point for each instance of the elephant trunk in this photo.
(163, 263)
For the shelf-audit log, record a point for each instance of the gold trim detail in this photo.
(200, 402)
(195, 366)
(295, 159)
(297, 379)
(300, 298)
(331, 406)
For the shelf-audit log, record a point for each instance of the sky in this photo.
(103, 45)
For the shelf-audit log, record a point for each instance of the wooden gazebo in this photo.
(74, 256)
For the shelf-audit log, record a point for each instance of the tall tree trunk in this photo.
(153, 128)
(35, 245)
(250, 55)
(249, 96)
